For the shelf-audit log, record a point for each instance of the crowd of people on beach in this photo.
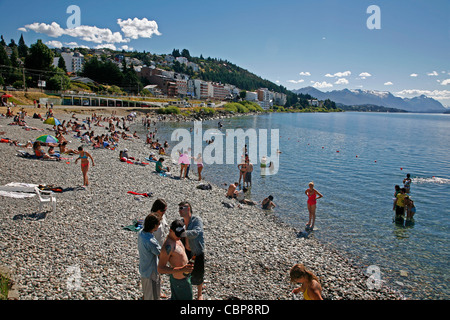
(176, 249)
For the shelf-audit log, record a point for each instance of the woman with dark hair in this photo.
(39, 154)
(267, 203)
(159, 208)
(310, 285)
(83, 155)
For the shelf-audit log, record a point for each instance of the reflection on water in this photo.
(355, 159)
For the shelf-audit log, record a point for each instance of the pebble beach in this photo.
(249, 252)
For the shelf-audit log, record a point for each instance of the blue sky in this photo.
(320, 43)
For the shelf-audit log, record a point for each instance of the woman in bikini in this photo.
(242, 171)
(310, 285)
(83, 155)
(312, 202)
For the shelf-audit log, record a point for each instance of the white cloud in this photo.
(323, 84)
(445, 82)
(305, 73)
(74, 44)
(296, 81)
(54, 44)
(131, 28)
(52, 30)
(339, 74)
(365, 74)
(138, 28)
(435, 94)
(96, 35)
(434, 73)
(388, 83)
(341, 81)
(22, 29)
(106, 46)
(413, 75)
(126, 48)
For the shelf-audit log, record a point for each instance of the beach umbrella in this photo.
(47, 139)
(7, 95)
(52, 121)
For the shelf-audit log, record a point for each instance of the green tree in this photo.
(40, 57)
(185, 53)
(59, 81)
(62, 64)
(22, 48)
(176, 53)
(4, 60)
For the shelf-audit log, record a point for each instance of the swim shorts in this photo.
(198, 273)
(181, 289)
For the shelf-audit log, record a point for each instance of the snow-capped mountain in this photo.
(356, 97)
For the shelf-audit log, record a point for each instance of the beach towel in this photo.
(134, 162)
(18, 190)
(204, 187)
(136, 226)
(141, 194)
(50, 188)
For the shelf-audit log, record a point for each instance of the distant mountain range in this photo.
(379, 98)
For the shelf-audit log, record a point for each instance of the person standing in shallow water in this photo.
(312, 195)
(84, 155)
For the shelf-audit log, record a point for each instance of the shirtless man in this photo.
(174, 253)
(232, 192)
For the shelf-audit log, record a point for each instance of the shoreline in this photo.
(249, 251)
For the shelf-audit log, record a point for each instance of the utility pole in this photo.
(23, 75)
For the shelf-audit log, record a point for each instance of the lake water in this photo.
(355, 159)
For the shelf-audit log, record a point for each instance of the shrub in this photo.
(169, 110)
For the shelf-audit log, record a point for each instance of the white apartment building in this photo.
(74, 61)
(198, 88)
(251, 96)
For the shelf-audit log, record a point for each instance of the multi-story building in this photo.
(251, 96)
(182, 87)
(199, 89)
(220, 91)
(280, 99)
(159, 77)
(73, 60)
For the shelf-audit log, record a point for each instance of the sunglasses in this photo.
(181, 208)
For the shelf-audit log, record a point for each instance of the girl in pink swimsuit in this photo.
(312, 194)
(83, 155)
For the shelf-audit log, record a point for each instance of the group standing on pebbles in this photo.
(189, 238)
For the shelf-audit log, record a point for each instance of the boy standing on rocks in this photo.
(173, 252)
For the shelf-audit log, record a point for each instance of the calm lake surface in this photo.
(355, 160)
